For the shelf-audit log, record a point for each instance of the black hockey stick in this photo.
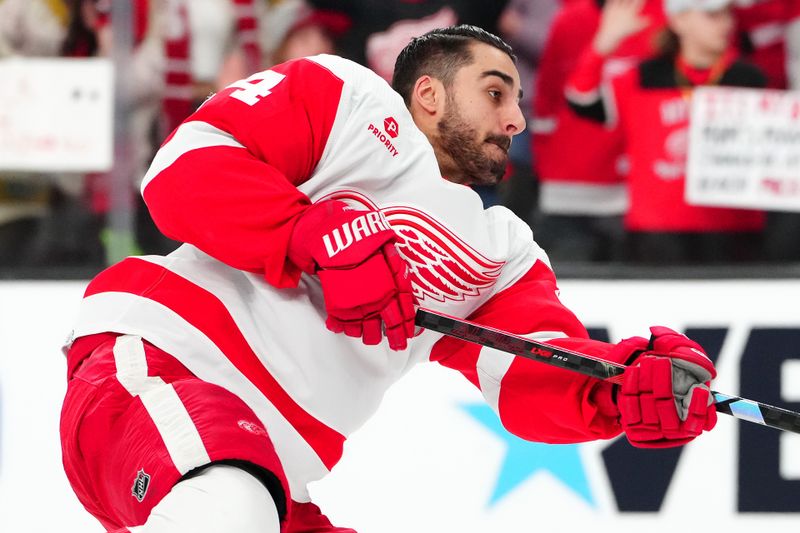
(742, 408)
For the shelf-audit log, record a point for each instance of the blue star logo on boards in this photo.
(523, 459)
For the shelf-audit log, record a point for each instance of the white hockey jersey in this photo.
(231, 180)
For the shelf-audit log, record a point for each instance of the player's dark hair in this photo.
(440, 54)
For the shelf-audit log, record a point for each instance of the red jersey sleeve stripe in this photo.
(189, 136)
(209, 315)
(241, 213)
(515, 386)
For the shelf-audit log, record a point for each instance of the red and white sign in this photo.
(56, 115)
(744, 149)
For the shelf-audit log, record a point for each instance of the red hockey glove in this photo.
(665, 398)
(364, 280)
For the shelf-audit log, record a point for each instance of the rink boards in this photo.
(434, 458)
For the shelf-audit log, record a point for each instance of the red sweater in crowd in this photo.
(652, 111)
(578, 161)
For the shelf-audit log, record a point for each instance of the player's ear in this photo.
(428, 95)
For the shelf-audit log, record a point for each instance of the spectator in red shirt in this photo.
(651, 105)
(583, 193)
(312, 32)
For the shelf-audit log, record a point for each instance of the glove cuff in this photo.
(604, 397)
(628, 350)
(665, 340)
(331, 235)
(308, 226)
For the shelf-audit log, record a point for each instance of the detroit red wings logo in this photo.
(441, 265)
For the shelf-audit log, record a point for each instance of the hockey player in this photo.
(209, 387)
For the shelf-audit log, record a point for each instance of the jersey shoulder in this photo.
(359, 81)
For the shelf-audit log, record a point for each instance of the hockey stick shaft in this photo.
(741, 408)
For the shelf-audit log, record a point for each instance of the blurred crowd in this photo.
(598, 174)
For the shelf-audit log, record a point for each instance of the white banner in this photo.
(435, 460)
(57, 114)
(744, 149)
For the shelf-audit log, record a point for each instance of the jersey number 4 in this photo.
(256, 87)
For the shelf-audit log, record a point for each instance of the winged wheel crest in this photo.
(441, 265)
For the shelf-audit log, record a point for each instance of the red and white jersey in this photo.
(232, 180)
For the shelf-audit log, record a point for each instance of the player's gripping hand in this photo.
(364, 280)
(665, 398)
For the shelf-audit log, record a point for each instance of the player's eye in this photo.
(495, 94)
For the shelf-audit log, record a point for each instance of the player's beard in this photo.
(459, 142)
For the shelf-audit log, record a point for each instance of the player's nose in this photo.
(514, 121)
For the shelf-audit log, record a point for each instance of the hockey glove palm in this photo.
(364, 280)
(665, 398)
